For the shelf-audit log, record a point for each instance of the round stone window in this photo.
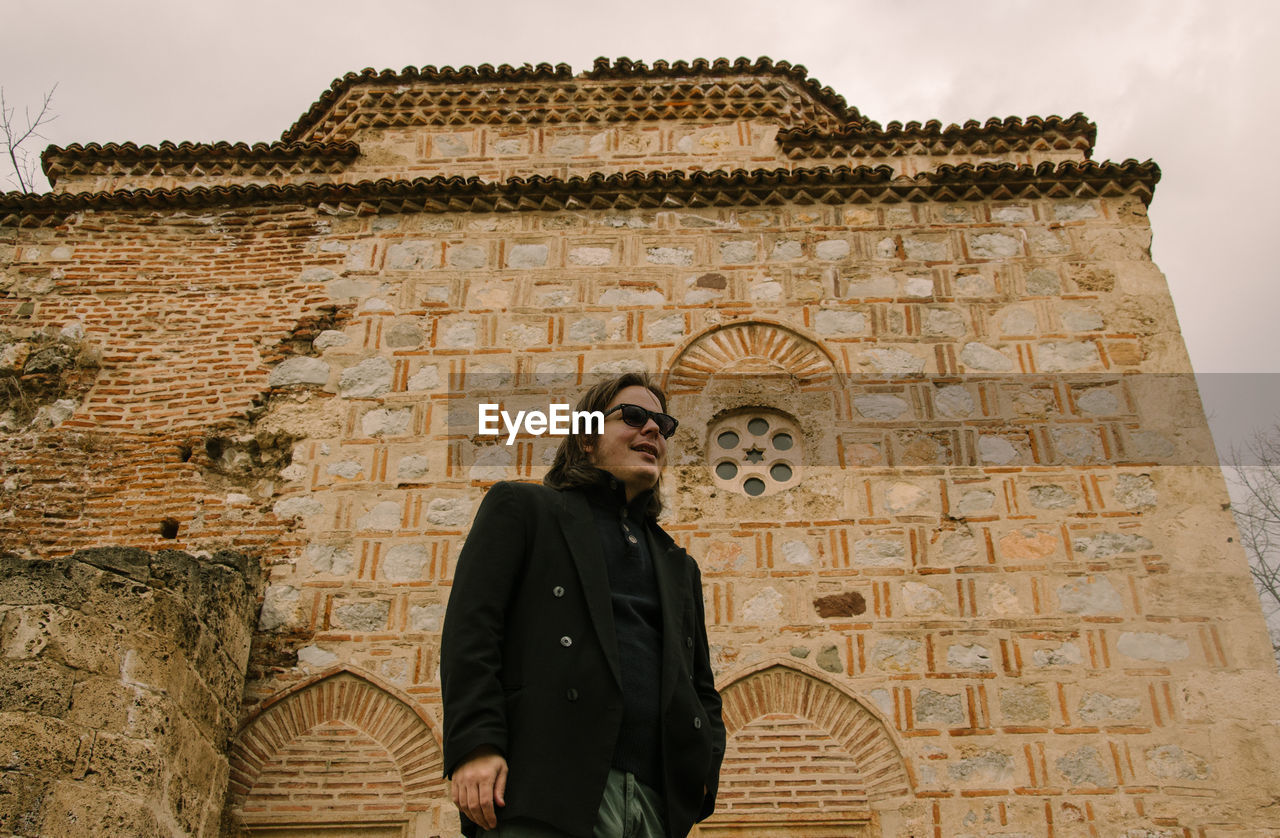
(755, 452)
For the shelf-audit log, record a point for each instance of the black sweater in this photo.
(637, 621)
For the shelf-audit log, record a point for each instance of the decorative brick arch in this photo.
(333, 748)
(799, 745)
(752, 347)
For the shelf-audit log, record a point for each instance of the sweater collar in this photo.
(609, 492)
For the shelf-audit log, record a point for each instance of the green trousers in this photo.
(630, 809)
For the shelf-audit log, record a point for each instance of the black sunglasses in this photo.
(637, 417)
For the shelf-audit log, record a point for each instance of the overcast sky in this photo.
(1189, 84)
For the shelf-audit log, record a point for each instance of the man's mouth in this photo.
(646, 448)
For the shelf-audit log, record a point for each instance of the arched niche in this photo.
(745, 369)
(340, 753)
(805, 759)
(750, 349)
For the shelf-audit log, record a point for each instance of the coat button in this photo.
(572, 694)
(697, 723)
(566, 641)
(688, 641)
(557, 591)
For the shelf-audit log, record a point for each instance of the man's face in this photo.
(633, 455)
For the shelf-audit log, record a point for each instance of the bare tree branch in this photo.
(22, 163)
(1258, 518)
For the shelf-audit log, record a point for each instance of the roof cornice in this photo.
(634, 190)
(322, 118)
(184, 158)
(995, 136)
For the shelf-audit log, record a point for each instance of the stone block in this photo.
(1136, 491)
(385, 422)
(404, 333)
(829, 659)
(71, 813)
(994, 246)
(927, 248)
(404, 562)
(764, 608)
(1089, 595)
(1018, 322)
(124, 764)
(40, 582)
(1084, 766)
(38, 745)
(466, 257)
(1067, 356)
(1101, 707)
(920, 599)
(299, 370)
(1170, 762)
(897, 654)
(412, 468)
(459, 334)
(970, 656)
(413, 255)
(881, 407)
(279, 607)
(449, 512)
(426, 617)
(938, 708)
(840, 323)
(979, 357)
(35, 686)
(22, 799)
(894, 361)
(632, 297)
(527, 256)
(367, 379)
(679, 256)
(1153, 646)
(1023, 705)
(831, 250)
(742, 252)
(303, 506)
(786, 250)
(314, 658)
(942, 322)
(988, 767)
(361, 615)
(880, 552)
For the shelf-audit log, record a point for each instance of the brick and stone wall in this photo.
(984, 583)
(121, 673)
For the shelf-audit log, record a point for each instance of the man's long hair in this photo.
(573, 466)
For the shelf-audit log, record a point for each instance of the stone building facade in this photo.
(967, 565)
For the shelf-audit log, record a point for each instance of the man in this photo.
(578, 693)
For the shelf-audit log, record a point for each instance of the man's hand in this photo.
(479, 784)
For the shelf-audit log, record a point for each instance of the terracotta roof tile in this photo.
(655, 190)
(58, 161)
(993, 136)
(337, 105)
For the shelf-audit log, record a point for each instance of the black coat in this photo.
(529, 662)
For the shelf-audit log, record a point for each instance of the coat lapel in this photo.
(668, 564)
(584, 546)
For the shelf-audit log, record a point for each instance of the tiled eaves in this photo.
(326, 113)
(633, 190)
(995, 136)
(188, 158)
